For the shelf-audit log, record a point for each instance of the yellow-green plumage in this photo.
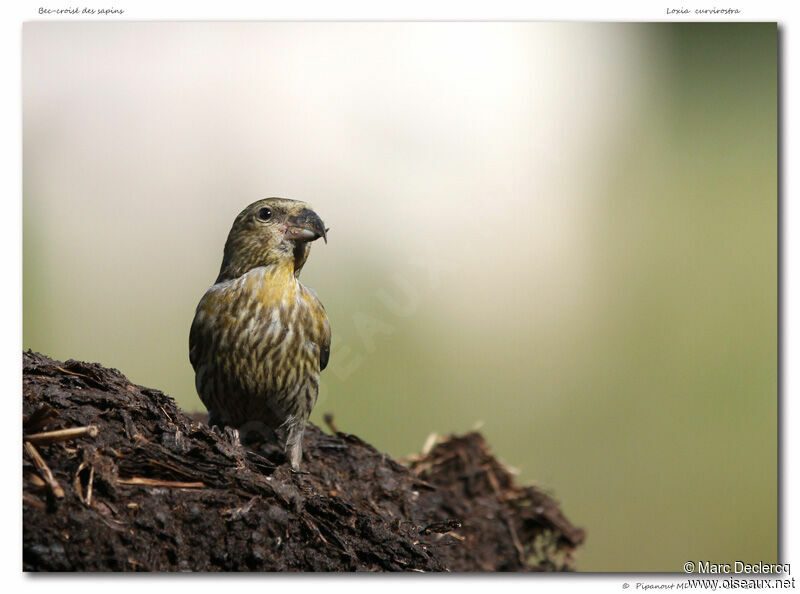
(260, 338)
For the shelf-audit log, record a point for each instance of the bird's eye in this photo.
(264, 214)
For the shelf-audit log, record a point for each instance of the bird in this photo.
(260, 338)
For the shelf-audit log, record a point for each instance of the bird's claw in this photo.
(229, 434)
(233, 436)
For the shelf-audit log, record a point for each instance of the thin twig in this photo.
(169, 418)
(49, 437)
(149, 482)
(442, 527)
(36, 482)
(79, 488)
(76, 482)
(328, 418)
(70, 372)
(90, 488)
(429, 443)
(44, 469)
(241, 511)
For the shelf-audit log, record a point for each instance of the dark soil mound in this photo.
(140, 485)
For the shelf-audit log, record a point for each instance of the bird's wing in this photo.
(325, 345)
(195, 334)
(322, 326)
(203, 328)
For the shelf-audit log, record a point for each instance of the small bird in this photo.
(260, 338)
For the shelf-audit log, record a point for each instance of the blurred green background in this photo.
(566, 232)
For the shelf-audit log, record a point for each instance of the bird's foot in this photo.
(232, 436)
(229, 434)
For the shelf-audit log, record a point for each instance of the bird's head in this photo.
(273, 231)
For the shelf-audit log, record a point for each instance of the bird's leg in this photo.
(294, 442)
(214, 422)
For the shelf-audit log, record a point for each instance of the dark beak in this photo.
(306, 226)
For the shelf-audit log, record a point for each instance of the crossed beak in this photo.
(306, 226)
